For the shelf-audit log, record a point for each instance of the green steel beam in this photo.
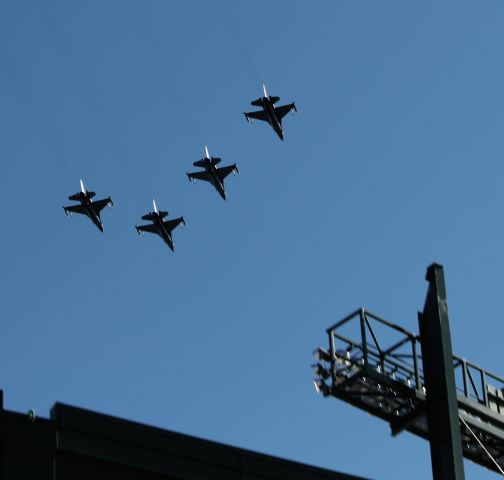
(437, 358)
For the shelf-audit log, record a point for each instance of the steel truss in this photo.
(376, 367)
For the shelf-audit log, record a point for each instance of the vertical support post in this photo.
(332, 346)
(437, 359)
(332, 352)
(363, 336)
(415, 362)
(484, 387)
(464, 366)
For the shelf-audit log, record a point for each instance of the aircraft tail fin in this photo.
(154, 206)
(207, 155)
(265, 92)
(83, 190)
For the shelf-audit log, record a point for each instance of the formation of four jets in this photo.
(215, 176)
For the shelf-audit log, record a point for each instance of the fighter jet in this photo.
(87, 206)
(211, 173)
(159, 226)
(269, 113)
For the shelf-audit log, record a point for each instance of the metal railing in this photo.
(399, 358)
(375, 365)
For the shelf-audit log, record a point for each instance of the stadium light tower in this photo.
(374, 365)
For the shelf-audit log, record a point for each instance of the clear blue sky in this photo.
(395, 161)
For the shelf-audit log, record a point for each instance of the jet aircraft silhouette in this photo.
(211, 173)
(87, 206)
(269, 113)
(159, 226)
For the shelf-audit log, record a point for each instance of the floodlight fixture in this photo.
(321, 387)
(321, 354)
(320, 371)
(344, 353)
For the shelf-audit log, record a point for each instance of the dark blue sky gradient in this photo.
(395, 161)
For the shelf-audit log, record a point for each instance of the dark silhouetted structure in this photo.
(78, 444)
(437, 361)
(376, 365)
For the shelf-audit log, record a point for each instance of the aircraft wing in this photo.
(200, 176)
(284, 110)
(150, 228)
(76, 209)
(172, 224)
(260, 115)
(225, 171)
(99, 205)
